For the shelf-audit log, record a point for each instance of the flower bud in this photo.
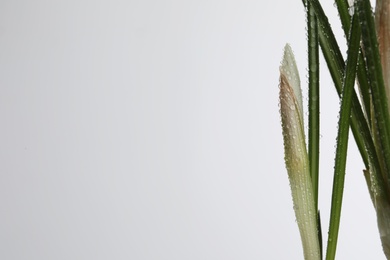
(296, 157)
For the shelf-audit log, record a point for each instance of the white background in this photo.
(150, 130)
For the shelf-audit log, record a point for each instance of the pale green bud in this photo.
(296, 158)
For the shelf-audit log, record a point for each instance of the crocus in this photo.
(296, 157)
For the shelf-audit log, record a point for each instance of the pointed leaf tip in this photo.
(289, 70)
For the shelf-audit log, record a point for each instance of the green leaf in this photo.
(343, 9)
(336, 66)
(375, 76)
(342, 139)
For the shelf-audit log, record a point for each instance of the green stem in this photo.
(314, 105)
(314, 118)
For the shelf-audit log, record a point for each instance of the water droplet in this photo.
(351, 10)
